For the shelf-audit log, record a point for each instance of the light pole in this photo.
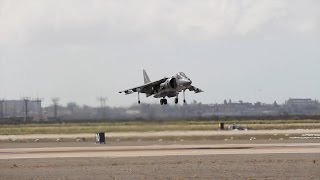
(55, 101)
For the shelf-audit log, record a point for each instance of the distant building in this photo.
(301, 102)
(20, 108)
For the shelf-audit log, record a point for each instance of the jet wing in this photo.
(195, 89)
(146, 88)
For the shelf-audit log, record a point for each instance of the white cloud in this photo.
(257, 14)
(24, 22)
(308, 27)
(54, 47)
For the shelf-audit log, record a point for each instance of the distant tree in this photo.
(225, 102)
(86, 107)
(72, 106)
(257, 104)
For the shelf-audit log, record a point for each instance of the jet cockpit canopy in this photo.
(181, 75)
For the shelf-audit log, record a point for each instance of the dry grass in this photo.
(73, 128)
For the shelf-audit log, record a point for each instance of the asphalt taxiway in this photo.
(158, 150)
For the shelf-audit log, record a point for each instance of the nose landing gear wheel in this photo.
(139, 98)
(176, 100)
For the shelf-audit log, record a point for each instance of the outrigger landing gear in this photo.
(184, 96)
(139, 98)
(163, 101)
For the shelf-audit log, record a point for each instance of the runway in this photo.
(161, 134)
(158, 150)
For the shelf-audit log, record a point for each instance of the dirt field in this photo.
(273, 166)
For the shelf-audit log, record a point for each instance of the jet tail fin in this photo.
(146, 77)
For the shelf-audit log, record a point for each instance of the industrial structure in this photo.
(30, 110)
(25, 109)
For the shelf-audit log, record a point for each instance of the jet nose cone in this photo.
(187, 82)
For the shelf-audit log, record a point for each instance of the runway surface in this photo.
(158, 150)
(164, 134)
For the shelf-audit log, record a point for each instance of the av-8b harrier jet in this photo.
(165, 87)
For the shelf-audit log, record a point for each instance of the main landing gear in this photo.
(176, 100)
(163, 101)
(184, 96)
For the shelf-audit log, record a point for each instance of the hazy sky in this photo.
(251, 50)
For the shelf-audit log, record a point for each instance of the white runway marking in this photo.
(158, 150)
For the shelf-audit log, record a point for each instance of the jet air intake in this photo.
(173, 83)
(169, 84)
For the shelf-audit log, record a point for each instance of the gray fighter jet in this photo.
(165, 87)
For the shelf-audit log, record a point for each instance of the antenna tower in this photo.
(55, 101)
(103, 105)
